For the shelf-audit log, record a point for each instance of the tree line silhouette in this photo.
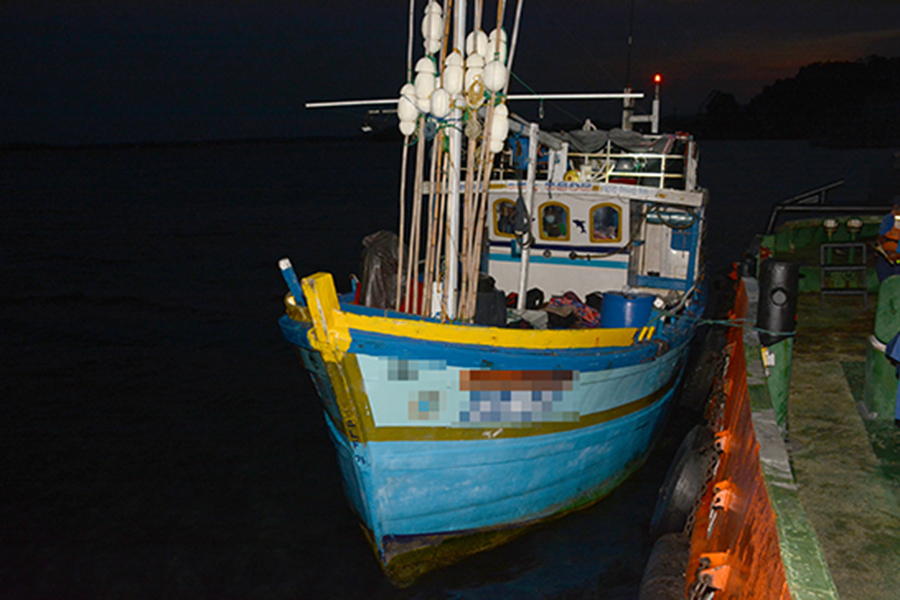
(838, 104)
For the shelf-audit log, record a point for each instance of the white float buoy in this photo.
(424, 104)
(406, 108)
(494, 76)
(425, 65)
(475, 61)
(407, 127)
(440, 103)
(499, 126)
(476, 43)
(453, 73)
(432, 27)
(425, 84)
(491, 53)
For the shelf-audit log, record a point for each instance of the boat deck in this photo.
(847, 468)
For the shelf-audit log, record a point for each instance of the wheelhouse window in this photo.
(554, 221)
(606, 222)
(504, 217)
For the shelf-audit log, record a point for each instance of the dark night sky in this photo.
(125, 71)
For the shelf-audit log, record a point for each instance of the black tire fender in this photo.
(685, 482)
(664, 575)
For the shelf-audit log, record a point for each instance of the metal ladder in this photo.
(826, 266)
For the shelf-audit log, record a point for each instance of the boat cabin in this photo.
(607, 211)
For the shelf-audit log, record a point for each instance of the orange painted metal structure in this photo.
(734, 543)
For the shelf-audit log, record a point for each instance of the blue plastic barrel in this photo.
(625, 310)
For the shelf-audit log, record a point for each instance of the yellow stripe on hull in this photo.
(331, 325)
(525, 339)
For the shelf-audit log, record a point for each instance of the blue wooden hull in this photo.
(442, 440)
(412, 488)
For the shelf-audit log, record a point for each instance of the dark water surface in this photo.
(158, 436)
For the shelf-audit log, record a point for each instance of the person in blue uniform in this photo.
(888, 262)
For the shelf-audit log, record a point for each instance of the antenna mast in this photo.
(630, 43)
(628, 104)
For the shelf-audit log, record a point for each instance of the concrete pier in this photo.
(843, 464)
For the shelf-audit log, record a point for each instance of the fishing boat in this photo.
(511, 354)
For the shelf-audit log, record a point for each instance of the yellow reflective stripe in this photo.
(527, 339)
(646, 333)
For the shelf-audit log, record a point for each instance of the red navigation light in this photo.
(657, 79)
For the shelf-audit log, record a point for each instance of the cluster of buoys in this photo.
(461, 82)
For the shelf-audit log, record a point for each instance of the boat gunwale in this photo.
(416, 328)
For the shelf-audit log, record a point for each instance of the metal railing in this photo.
(814, 202)
(647, 166)
(649, 169)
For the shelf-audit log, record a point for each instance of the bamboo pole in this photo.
(443, 231)
(432, 225)
(400, 251)
(468, 223)
(447, 16)
(403, 163)
(416, 224)
(440, 219)
(409, 40)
